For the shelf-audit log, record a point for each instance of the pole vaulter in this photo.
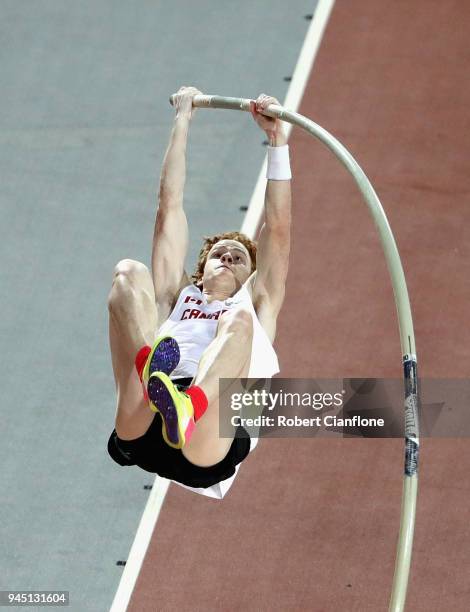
(407, 340)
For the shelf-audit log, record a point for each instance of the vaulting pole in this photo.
(410, 483)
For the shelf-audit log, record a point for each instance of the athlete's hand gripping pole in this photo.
(241, 104)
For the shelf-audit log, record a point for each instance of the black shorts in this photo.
(151, 453)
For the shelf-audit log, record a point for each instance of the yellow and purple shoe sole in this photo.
(175, 408)
(164, 357)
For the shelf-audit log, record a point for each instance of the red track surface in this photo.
(313, 524)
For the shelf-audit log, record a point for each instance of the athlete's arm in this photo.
(272, 260)
(170, 239)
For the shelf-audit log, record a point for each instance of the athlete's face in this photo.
(228, 265)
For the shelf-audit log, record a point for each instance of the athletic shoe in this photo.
(175, 408)
(163, 357)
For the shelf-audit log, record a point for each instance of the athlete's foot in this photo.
(176, 408)
(163, 357)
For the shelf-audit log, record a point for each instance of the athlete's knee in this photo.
(131, 269)
(238, 321)
(129, 277)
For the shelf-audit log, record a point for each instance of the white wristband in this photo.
(278, 164)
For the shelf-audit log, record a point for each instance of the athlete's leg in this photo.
(132, 324)
(227, 356)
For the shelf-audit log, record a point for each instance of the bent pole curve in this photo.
(410, 483)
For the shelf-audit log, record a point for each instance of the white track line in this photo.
(250, 225)
(139, 547)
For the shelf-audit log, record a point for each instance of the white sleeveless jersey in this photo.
(193, 324)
